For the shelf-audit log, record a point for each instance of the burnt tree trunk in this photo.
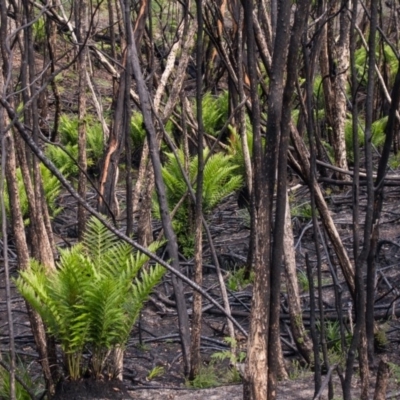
(172, 245)
(198, 255)
(81, 29)
(285, 104)
(109, 174)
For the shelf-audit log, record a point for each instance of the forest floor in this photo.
(153, 362)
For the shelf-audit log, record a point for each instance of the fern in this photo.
(377, 134)
(56, 297)
(215, 112)
(138, 294)
(348, 135)
(66, 163)
(378, 131)
(384, 54)
(138, 133)
(95, 141)
(51, 188)
(68, 130)
(97, 241)
(220, 178)
(94, 296)
(34, 386)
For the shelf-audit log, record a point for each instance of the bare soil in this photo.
(91, 389)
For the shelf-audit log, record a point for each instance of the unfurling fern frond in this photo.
(97, 240)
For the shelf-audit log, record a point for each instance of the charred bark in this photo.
(198, 256)
(172, 246)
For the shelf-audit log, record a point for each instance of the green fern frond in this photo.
(68, 129)
(115, 259)
(97, 240)
(51, 188)
(348, 134)
(55, 300)
(220, 178)
(95, 141)
(172, 175)
(140, 292)
(102, 302)
(32, 284)
(138, 133)
(215, 112)
(62, 160)
(378, 129)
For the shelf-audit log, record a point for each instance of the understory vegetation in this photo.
(92, 299)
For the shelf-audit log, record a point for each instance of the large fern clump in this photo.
(220, 180)
(93, 298)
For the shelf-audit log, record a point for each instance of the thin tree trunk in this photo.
(172, 246)
(146, 173)
(285, 104)
(374, 194)
(141, 21)
(299, 332)
(42, 249)
(5, 149)
(326, 217)
(23, 264)
(41, 233)
(255, 383)
(81, 29)
(243, 140)
(198, 255)
(126, 126)
(382, 380)
(317, 233)
(110, 170)
(334, 64)
(358, 340)
(378, 202)
(341, 57)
